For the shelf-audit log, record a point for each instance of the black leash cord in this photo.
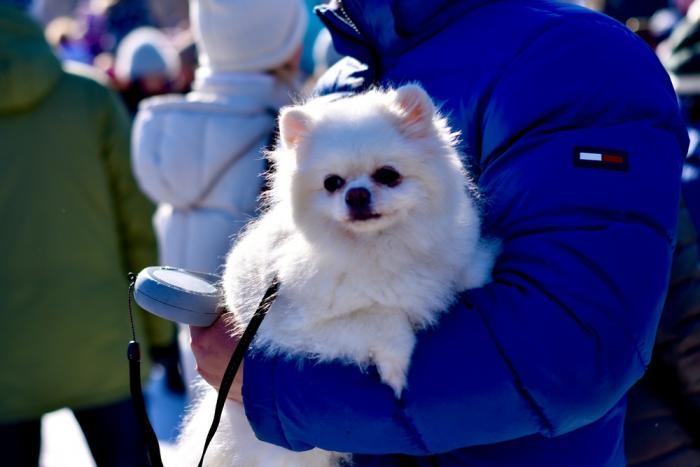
(134, 355)
(237, 359)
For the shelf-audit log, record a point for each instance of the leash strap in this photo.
(134, 355)
(237, 358)
(153, 448)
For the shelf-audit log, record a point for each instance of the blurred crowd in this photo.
(653, 20)
(147, 48)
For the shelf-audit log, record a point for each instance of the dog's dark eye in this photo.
(333, 183)
(387, 176)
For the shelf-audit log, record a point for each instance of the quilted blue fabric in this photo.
(532, 369)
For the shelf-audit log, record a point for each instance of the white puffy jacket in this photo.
(199, 158)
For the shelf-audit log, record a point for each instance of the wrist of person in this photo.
(212, 348)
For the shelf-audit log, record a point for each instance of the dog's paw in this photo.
(392, 371)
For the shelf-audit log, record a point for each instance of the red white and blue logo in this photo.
(596, 158)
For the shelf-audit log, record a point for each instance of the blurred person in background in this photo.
(45, 11)
(169, 13)
(74, 223)
(95, 37)
(682, 5)
(325, 56)
(65, 36)
(199, 156)
(678, 54)
(663, 418)
(187, 51)
(123, 16)
(622, 10)
(662, 424)
(652, 20)
(107, 22)
(592, 4)
(146, 64)
(313, 27)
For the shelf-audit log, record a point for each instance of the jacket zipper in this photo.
(345, 18)
(341, 22)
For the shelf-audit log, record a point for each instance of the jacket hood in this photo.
(28, 68)
(182, 145)
(367, 29)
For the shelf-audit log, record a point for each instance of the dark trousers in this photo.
(112, 432)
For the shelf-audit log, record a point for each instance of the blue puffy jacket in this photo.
(532, 369)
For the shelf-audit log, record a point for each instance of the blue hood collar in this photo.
(369, 29)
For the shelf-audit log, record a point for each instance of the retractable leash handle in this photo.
(179, 295)
(159, 301)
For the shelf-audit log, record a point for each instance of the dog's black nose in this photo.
(358, 198)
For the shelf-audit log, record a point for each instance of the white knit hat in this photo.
(247, 35)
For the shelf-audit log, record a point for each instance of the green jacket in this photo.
(73, 224)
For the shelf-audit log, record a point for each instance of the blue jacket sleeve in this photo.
(568, 323)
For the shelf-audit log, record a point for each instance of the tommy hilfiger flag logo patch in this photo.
(600, 158)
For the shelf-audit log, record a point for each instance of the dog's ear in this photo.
(294, 124)
(416, 111)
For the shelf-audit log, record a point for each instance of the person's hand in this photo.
(212, 348)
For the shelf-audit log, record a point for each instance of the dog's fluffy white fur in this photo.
(372, 227)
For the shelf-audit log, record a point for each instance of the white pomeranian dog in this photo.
(372, 227)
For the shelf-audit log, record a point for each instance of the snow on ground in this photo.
(63, 444)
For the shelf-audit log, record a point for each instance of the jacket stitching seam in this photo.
(538, 411)
(410, 425)
(277, 409)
